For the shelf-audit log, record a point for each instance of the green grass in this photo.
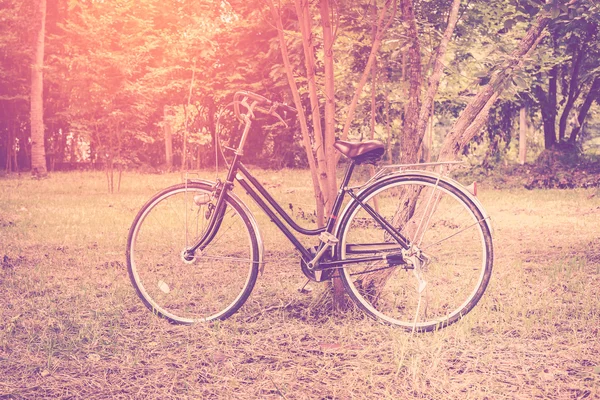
(72, 326)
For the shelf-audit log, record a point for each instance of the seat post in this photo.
(340, 196)
(347, 174)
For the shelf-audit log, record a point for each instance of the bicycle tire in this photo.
(455, 234)
(217, 282)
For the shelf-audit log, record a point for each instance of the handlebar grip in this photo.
(253, 96)
(246, 94)
(261, 103)
(285, 107)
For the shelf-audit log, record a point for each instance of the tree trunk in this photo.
(410, 140)
(210, 120)
(303, 13)
(592, 95)
(372, 57)
(475, 114)
(38, 153)
(523, 135)
(329, 138)
(10, 147)
(168, 139)
(186, 109)
(574, 91)
(548, 109)
(438, 67)
(330, 153)
(301, 117)
(373, 96)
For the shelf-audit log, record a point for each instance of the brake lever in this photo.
(249, 107)
(272, 112)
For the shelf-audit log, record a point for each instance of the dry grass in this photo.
(72, 327)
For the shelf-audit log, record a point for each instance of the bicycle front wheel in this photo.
(450, 235)
(217, 281)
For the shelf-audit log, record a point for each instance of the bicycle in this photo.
(413, 248)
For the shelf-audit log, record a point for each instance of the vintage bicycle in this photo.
(413, 247)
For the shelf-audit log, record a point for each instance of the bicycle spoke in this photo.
(186, 291)
(446, 268)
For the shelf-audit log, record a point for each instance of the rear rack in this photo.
(388, 169)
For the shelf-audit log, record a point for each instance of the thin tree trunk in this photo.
(211, 110)
(548, 111)
(372, 57)
(410, 140)
(573, 92)
(592, 95)
(168, 139)
(338, 287)
(10, 141)
(329, 138)
(303, 12)
(301, 117)
(522, 135)
(186, 112)
(373, 96)
(388, 128)
(38, 153)
(373, 72)
(438, 67)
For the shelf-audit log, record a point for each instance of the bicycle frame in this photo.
(280, 217)
(174, 279)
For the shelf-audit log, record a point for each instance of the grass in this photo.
(72, 327)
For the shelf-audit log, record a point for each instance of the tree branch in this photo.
(457, 139)
(370, 61)
(438, 68)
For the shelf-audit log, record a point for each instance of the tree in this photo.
(474, 116)
(566, 80)
(15, 83)
(38, 153)
(323, 168)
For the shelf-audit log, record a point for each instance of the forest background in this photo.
(140, 84)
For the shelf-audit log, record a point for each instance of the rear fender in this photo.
(418, 173)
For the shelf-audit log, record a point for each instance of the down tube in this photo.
(305, 254)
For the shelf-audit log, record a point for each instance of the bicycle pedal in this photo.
(328, 238)
(318, 274)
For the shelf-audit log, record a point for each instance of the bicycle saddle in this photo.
(367, 152)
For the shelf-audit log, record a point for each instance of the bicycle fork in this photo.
(216, 217)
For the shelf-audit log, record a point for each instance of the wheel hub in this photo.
(188, 257)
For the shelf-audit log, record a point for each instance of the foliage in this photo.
(113, 67)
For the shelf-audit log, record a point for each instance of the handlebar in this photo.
(258, 103)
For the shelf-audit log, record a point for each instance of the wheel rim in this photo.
(460, 258)
(211, 286)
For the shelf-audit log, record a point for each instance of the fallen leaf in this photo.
(219, 357)
(329, 346)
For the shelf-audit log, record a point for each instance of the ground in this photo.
(72, 326)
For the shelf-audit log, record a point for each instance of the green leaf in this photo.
(520, 82)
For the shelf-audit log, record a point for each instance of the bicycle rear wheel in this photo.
(217, 281)
(440, 221)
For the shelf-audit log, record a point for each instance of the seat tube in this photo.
(340, 197)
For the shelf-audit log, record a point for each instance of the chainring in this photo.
(326, 274)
